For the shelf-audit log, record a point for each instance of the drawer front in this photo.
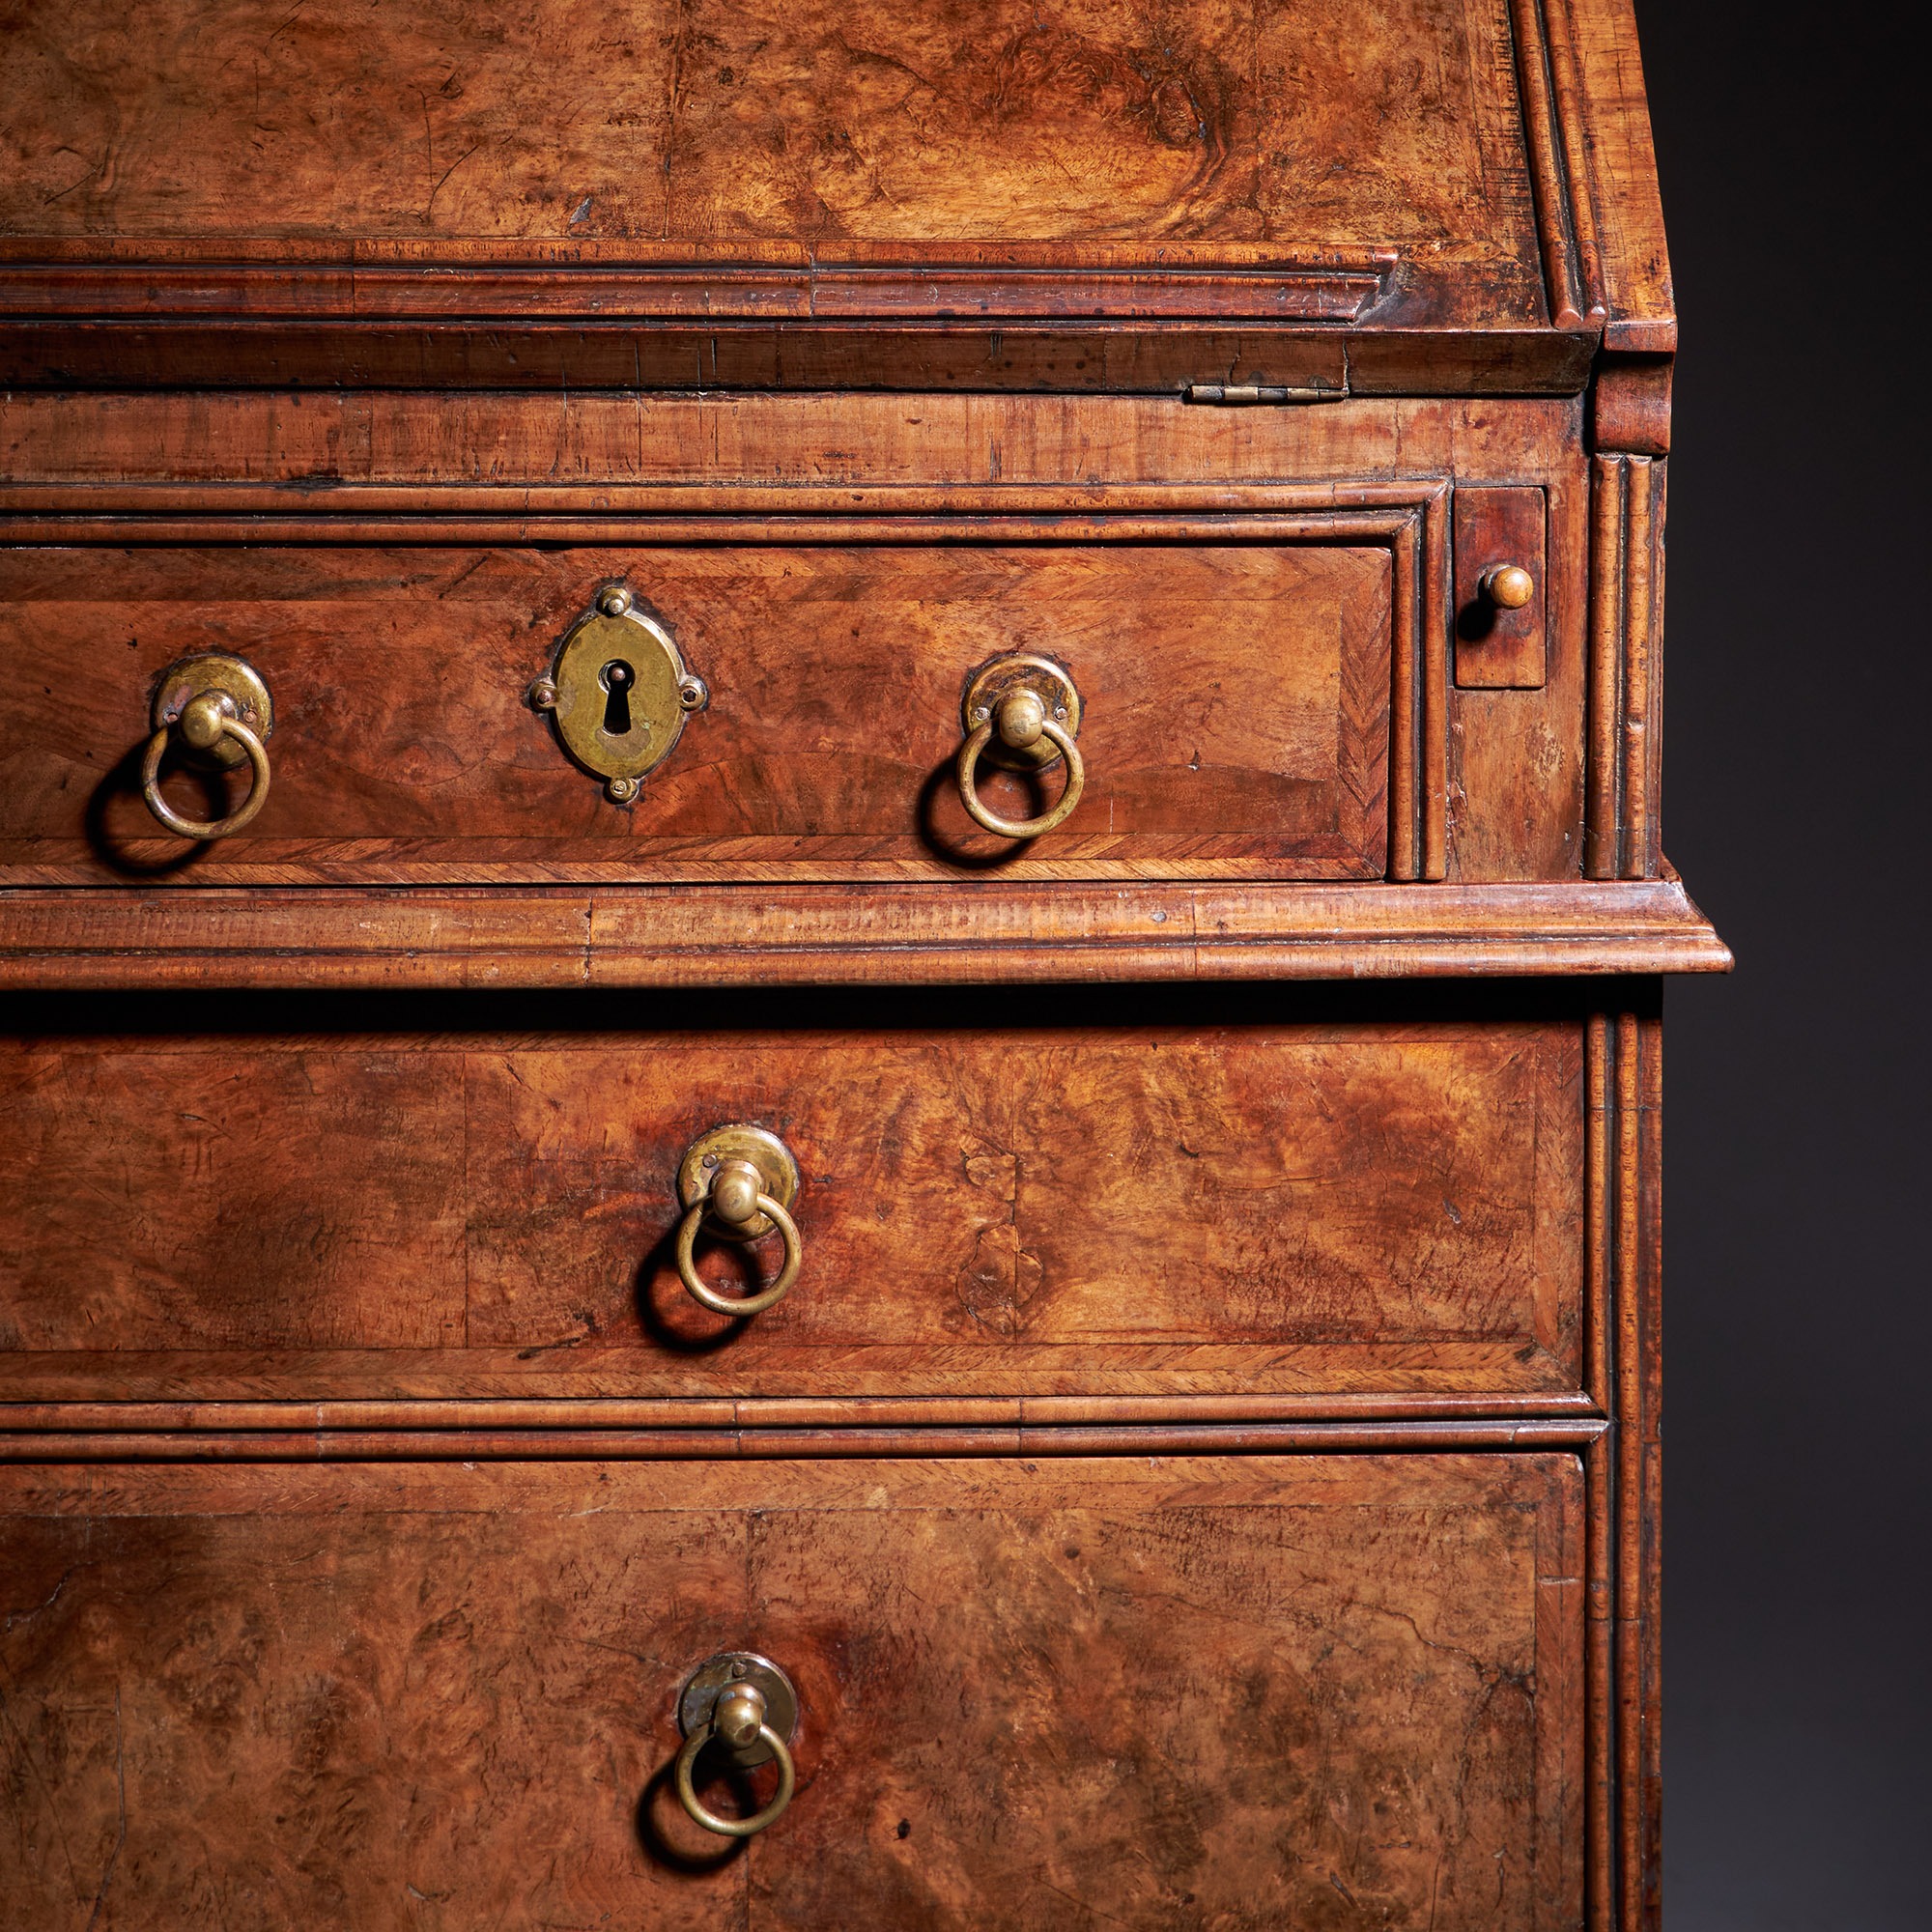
(1245, 1693)
(1234, 712)
(1360, 1208)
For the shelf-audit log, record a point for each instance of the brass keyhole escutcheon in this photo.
(618, 692)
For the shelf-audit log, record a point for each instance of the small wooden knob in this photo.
(1507, 586)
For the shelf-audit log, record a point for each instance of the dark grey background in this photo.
(1798, 1725)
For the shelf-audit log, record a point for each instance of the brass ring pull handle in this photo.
(1025, 712)
(738, 1181)
(741, 1181)
(221, 708)
(202, 725)
(740, 1718)
(744, 1703)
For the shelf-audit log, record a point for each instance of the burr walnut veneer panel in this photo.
(1243, 1693)
(638, 193)
(1237, 687)
(1349, 1209)
(1287, 126)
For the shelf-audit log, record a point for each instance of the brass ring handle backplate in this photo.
(221, 711)
(739, 1182)
(1024, 713)
(745, 1705)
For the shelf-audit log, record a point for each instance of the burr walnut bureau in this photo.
(833, 923)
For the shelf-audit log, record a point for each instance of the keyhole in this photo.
(616, 677)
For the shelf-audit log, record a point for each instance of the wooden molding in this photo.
(1624, 777)
(1629, 406)
(616, 1417)
(824, 935)
(452, 284)
(1561, 224)
(1613, 173)
(1623, 1471)
(712, 1446)
(587, 356)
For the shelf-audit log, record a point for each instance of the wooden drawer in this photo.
(1228, 1691)
(1316, 1195)
(1236, 680)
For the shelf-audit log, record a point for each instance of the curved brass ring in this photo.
(734, 1828)
(207, 828)
(743, 1305)
(980, 738)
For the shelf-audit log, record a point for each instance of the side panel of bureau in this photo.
(1234, 1691)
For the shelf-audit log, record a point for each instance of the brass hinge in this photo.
(1237, 394)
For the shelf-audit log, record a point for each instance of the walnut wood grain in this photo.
(1235, 686)
(516, 455)
(819, 129)
(987, 1209)
(1481, 787)
(1207, 1472)
(1497, 648)
(1403, 166)
(1439, 181)
(1107, 1684)
(1562, 128)
(688, 936)
(1626, 668)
